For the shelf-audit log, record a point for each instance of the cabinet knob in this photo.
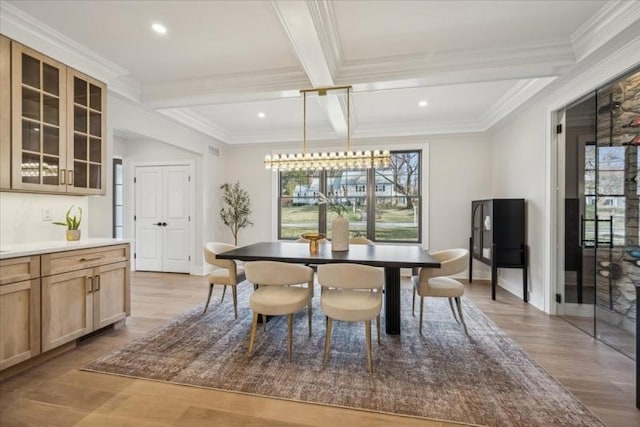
(70, 180)
(159, 224)
(164, 224)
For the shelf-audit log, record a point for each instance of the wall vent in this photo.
(214, 151)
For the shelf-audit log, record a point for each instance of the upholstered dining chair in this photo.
(282, 289)
(431, 282)
(360, 241)
(352, 293)
(227, 273)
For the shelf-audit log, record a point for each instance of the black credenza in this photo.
(498, 238)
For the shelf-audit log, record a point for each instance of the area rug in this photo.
(483, 379)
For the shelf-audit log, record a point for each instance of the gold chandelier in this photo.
(328, 160)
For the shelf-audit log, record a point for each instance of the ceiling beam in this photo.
(307, 43)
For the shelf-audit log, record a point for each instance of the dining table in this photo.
(391, 257)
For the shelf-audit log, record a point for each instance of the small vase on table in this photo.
(340, 234)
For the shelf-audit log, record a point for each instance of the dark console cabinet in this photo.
(498, 238)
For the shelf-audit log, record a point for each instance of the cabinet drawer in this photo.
(18, 269)
(63, 262)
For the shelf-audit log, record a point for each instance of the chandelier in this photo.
(327, 160)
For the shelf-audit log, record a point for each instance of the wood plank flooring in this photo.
(56, 393)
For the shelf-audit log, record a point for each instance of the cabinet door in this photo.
(111, 294)
(5, 112)
(19, 322)
(86, 149)
(67, 307)
(38, 111)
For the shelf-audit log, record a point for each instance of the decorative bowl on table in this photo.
(313, 241)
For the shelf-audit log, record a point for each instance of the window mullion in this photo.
(322, 209)
(371, 204)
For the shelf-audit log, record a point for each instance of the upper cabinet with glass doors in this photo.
(86, 140)
(38, 104)
(57, 126)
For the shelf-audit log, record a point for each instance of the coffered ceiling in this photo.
(221, 63)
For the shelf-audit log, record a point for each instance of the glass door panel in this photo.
(617, 269)
(38, 109)
(86, 143)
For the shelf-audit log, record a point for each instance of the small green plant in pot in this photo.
(72, 223)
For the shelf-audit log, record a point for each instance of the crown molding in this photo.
(463, 66)
(518, 95)
(613, 18)
(226, 88)
(197, 122)
(400, 129)
(326, 25)
(25, 29)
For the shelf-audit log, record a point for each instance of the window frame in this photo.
(370, 202)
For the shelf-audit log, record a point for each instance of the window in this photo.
(604, 193)
(384, 205)
(117, 199)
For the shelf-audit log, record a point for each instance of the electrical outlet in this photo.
(45, 214)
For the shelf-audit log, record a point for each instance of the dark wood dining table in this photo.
(391, 257)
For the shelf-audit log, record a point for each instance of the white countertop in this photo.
(38, 248)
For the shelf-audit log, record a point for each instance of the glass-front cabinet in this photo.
(5, 113)
(57, 126)
(86, 138)
(38, 121)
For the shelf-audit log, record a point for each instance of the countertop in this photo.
(39, 248)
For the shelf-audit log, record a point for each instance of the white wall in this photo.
(158, 138)
(456, 170)
(21, 215)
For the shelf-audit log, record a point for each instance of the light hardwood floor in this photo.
(57, 393)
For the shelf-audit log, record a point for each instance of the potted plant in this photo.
(237, 208)
(72, 223)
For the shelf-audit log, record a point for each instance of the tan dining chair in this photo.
(282, 289)
(227, 273)
(351, 293)
(360, 241)
(432, 282)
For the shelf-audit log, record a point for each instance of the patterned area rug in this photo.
(482, 379)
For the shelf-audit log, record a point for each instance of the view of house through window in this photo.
(604, 193)
(382, 204)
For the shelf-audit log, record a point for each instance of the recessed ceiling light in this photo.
(423, 103)
(159, 28)
(262, 115)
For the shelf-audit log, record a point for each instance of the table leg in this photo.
(392, 300)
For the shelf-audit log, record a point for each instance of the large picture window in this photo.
(383, 205)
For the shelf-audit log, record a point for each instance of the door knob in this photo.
(164, 224)
(158, 223)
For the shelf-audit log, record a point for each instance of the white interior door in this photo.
(148, 216)
(176, 219)
(162, 218)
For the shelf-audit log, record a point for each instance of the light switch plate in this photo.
(45, 214)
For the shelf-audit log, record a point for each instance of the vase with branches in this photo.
(236, 208)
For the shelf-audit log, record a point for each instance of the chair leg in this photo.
(309, 315)
(327, 339)
(367, 327)
(413, 303)
(421, 304)
(378, 327)
(459, 305)
(208, 298)
(223, 292)
(235, 301)
(452, 310)
(252, 336)
(289, 333)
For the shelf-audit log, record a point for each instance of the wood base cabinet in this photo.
(78, 302)
(19, 310)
